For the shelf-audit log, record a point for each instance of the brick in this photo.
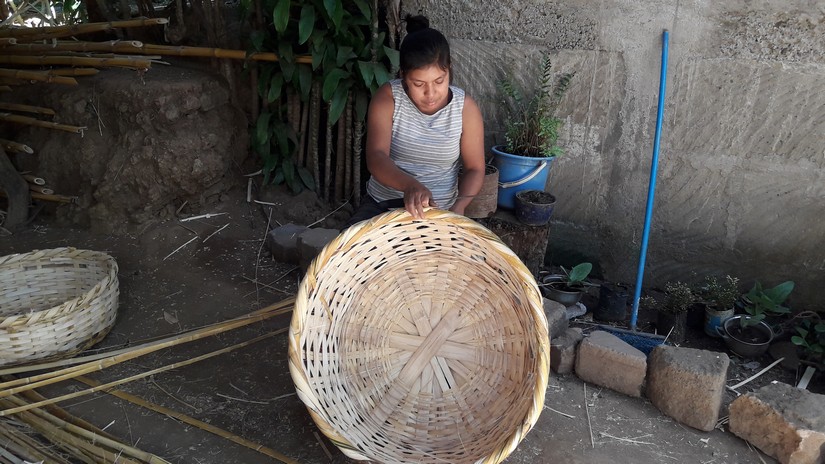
(311, 242)
(283, 242)
(785, 422)
(688, 384)
(606, 360)
(556, 318)
(563, 350)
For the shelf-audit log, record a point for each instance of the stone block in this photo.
(311, 242)
(687, 384)
(563, 350)
(283, 242)
(606, 360)
(556, 318)
(785, 422)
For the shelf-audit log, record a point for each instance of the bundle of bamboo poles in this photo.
(20, 401)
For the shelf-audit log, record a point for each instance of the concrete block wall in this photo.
(740, 183)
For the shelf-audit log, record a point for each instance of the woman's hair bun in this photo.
(416, 23)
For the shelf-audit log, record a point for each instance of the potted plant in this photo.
(748, 335)
(531, 133)
(534, 207)
(569, 287)
(671, 315)
(719, 298)
(809, 336)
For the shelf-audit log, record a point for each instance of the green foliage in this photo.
(531, 127)
(811, 338)
(721, 294)
(346, 58)
(578, 274)
(678, 298)
(766, 302)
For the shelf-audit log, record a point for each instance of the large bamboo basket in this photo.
(54, 303)
(420, 341)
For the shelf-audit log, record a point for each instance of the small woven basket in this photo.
(420, 341)
(54, 303)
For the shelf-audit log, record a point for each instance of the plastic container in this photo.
(517, 173)
(612, 303)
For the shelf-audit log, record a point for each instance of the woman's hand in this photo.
(416, 198)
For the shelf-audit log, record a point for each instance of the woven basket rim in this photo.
(17, 258)
(343, 242)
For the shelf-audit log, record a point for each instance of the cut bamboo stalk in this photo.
(347, 190)
(314, 135)
(74, 61)
(302, 135)
(325, 193)
(17, 441)
(57, 411)
(41, 189)
(128, 46)
(192, 421)
(32, 179)
(68, 396)
(205, 52)
(26, 108)
(8, 117)
(42, 196)
(16, 147)
(338, 188)
(356, 162)
(48, 378)
(74, 72)
(27, 33)
(41, 76)
(7, 41)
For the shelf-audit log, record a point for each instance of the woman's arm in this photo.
(472, 155)
(379, 163)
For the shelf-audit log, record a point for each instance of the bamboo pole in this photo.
(16, 147)
(314, 131)
(7, 41)
(34, 179)
(41, 76)
(68, 396)
(8, 117)
(48, 378)
(356, 174)
(57, 411)
(325, 193)
(41, 189)
(26, 108)
(42, 196)
(192, 421)
(338, 189)
(127, 46)
(74, 72)
(28, 33)
(348, 148)
(74, 61)
(20, 443)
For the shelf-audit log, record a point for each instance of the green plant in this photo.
(678, 298)
(764, 302)
(721, 294)
(531, 127)
(811, 338)
(577, 275)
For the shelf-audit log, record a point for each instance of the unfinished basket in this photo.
(420, 341)
(54, 303)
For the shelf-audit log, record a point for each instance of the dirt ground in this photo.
(249, 392)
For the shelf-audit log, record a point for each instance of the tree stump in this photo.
(17, 193)
(529, 243)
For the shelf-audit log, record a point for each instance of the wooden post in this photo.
(17, 192)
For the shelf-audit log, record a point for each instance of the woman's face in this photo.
(428, 88)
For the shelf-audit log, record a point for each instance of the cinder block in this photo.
(687, 384)
(311, 242)
(563, 350)
(785, 422)
(556, 318)
(283, 242)
(606, 360)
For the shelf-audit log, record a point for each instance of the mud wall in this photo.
(740, 182)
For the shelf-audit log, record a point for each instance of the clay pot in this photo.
(485, 202)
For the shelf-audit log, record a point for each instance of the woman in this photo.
(420, 132)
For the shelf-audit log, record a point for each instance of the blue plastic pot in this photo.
(517, 173)
(534, 207)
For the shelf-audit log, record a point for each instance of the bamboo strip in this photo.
(26, 108)
(25, 446)
(68, 396)
(41, 189)
(192, 421)
(16, 147)
(91, 435)
(8, 117)
(280, 306)
(27, 33)
(41, 76)
(48, 378)
(74, 61)
(57, 411)
(128, 46)
(34, 180)
(73, 72)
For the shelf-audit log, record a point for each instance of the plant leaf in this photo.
(280, 15)
(797, 340)
(344, 55)
(306, 177)
(304, 81)
(381, 74)
(781, 292)
(366, 72)
(580, 272)
(262, 128)
(306, 24)
(331, 83)
(275, 86)
(394, 56)
(338, 103)
(366, 12)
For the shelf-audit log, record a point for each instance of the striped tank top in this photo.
(425, 146)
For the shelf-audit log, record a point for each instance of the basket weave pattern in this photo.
(420, 341)
(54, 303)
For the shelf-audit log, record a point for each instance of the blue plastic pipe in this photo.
(651, 187)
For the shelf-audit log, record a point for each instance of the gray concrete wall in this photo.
(740, 182)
